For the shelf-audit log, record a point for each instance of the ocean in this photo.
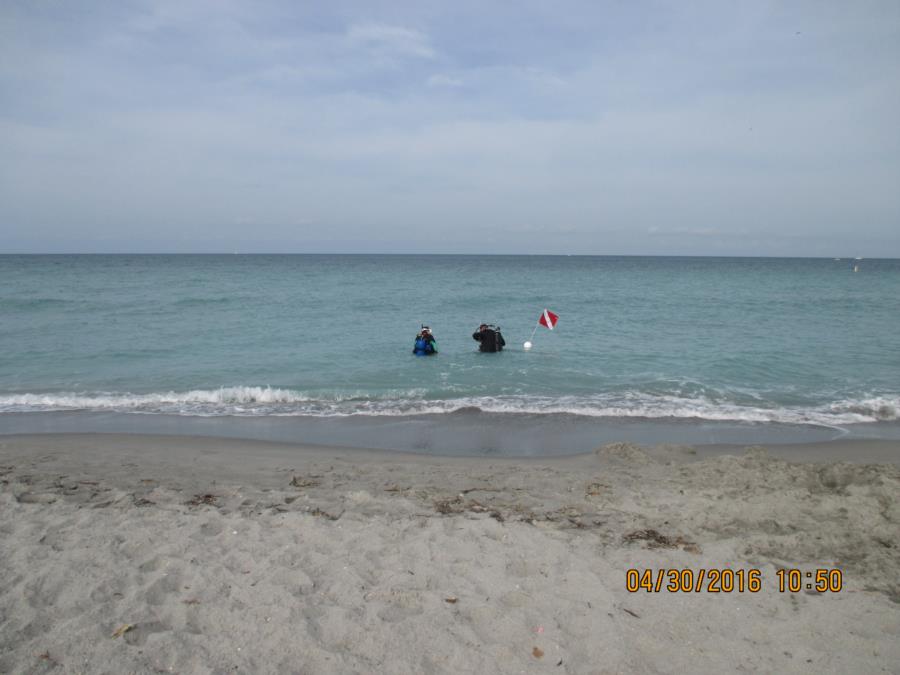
(318, 348)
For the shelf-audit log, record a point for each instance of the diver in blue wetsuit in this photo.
(425, 344)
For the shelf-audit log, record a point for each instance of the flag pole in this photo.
(536, 324)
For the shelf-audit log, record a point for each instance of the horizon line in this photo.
(510, 255)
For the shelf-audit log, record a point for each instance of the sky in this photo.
(621, 127)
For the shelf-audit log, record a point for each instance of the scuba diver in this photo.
(489, 338)
(425, 344)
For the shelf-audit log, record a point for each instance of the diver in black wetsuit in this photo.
(489, 337)
(425, 344)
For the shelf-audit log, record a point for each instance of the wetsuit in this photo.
(489, 339)
(424, 345)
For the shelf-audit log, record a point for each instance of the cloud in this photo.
(356, 119)
(388, 40)
(443, 80)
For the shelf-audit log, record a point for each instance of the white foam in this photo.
(878, 408)
(261, 401)
(103, 400)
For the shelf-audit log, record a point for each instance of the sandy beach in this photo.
(145, 554)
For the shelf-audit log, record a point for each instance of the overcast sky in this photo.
(746, 128)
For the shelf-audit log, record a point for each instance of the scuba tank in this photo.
(490, 339)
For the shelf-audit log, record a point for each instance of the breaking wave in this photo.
(262, 401)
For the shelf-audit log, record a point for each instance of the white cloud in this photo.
(390, 40)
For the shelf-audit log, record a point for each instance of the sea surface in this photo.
(747, 344)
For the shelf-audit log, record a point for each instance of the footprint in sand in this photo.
(295, 581)
(151, 565)
(36, 498)
(399, 605)
(137, 636)
(157, 593)
(211, 528)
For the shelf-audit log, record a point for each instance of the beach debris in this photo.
(594, 489)
(451, 599)
(656, 539)
(319, 512)
(538, 629)
(477, 506)
(453, 505)
(559, 663)
(197, 500)
(537, 652)
(121, 630)
(305, 481)
(46, 657)
(191, 601)
(628, 611)
(447, 505)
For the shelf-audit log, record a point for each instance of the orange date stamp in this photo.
(727, 580)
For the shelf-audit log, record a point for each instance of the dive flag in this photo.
(548, 319)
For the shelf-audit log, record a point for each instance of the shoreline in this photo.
(463, 433)
(150, 446)
(216, 554)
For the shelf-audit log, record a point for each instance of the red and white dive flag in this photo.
(548, 319)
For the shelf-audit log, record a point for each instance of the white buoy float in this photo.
(526, 346)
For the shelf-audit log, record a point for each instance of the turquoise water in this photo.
(805, 341)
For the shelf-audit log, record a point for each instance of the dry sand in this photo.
(150, 554)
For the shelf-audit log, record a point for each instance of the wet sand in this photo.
(127, 553)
